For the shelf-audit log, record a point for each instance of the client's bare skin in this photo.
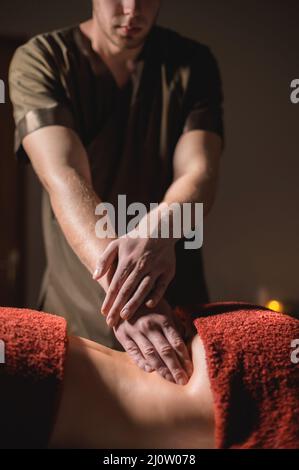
(109, 402)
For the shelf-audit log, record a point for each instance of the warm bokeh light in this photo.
(275, 305)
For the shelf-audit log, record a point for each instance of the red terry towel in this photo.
(254, 382)
(31, 377)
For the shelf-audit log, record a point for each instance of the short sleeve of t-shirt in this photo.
(204, 95)
(36, 92)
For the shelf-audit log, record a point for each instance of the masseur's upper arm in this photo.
(202, 139)
(46, 127)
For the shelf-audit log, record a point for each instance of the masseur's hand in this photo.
(145, 266)
(153, 340)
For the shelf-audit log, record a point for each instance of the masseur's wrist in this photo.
(160, 223)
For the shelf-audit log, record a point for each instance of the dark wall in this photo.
(251, 236)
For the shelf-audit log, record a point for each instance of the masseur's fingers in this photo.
(153, 359)
(105, 260)
(120, 276)
(128, 309)
(134, 352)
(111, 271)
(158, 340)
(168, 356)
(159, 290)
(179, 346)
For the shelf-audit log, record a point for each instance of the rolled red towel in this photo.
(31, 377)
(254, 382)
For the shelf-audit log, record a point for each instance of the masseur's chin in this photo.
(128, 42)
(125, 43)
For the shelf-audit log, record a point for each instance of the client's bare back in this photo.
(109, 402)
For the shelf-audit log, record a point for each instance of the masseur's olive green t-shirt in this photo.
(129, 134)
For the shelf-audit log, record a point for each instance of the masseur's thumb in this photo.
(105, 261)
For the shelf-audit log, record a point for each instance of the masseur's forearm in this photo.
(74, 201)
(189, 188)
(193, 188)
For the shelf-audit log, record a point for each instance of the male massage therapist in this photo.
(119, 106)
